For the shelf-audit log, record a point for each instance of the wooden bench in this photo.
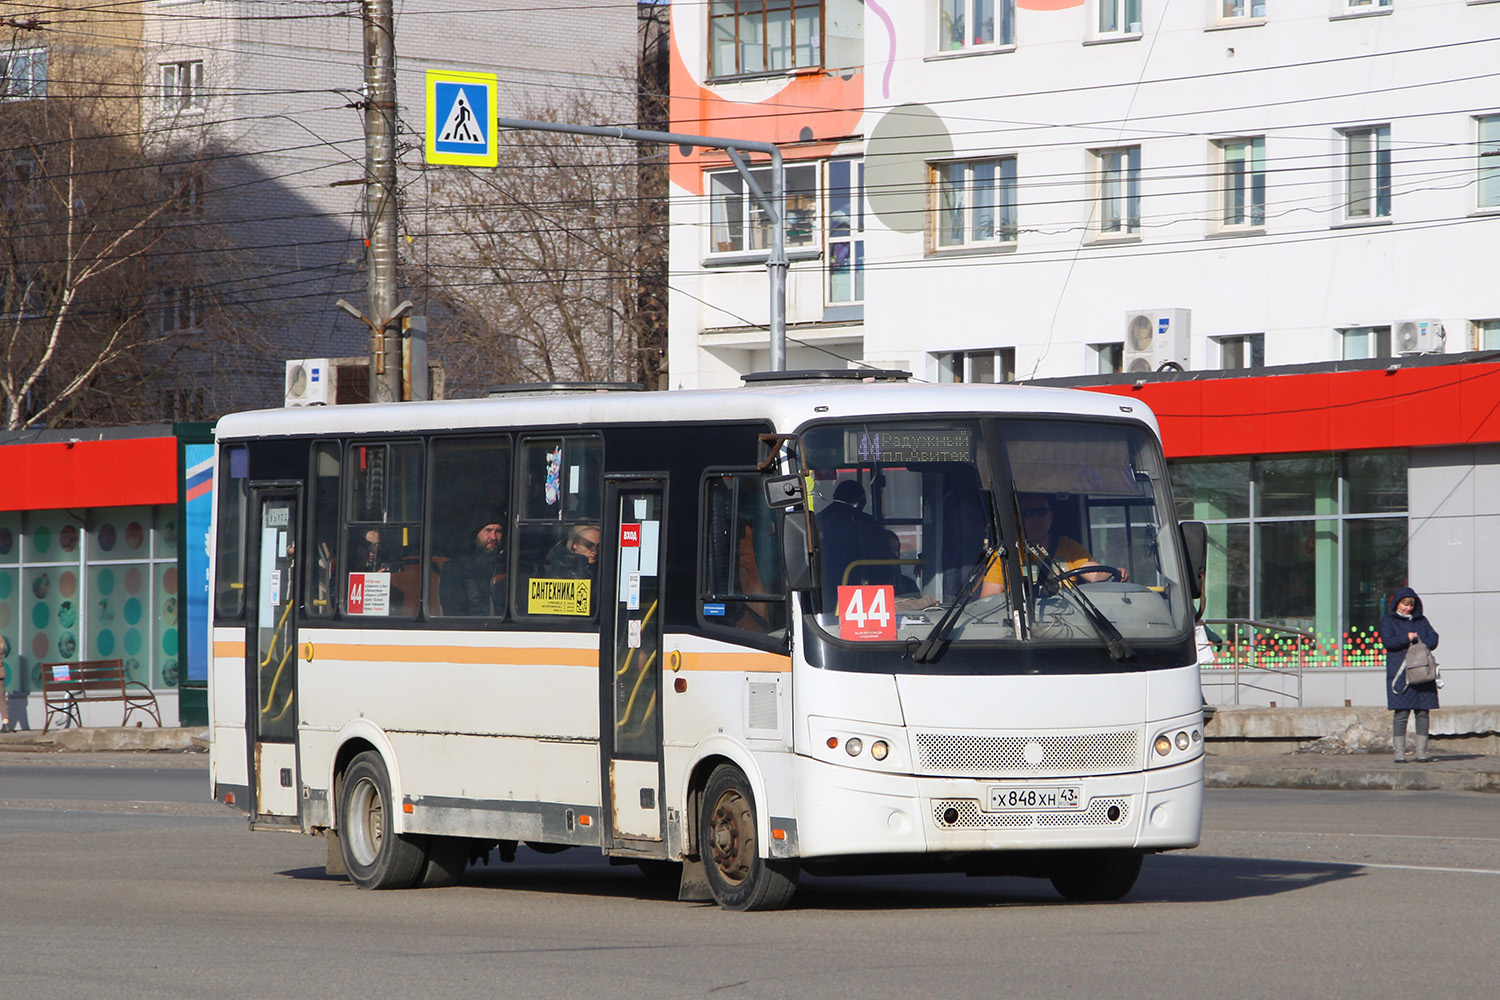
(64, 685)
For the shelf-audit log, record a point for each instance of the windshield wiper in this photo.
(926, 650)
(1056, 582)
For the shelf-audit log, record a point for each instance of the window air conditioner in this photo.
(1418, 336)
(1156, 337)
(310, 382)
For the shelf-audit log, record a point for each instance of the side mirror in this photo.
(784, 492)
(800, 564)
(1195, 544)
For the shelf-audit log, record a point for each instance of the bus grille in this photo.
(1028, 756)
(953, 814)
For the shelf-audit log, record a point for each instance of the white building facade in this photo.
(1270, 220)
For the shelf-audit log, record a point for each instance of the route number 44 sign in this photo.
(867, 614)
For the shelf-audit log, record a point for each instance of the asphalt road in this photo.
(121, 881)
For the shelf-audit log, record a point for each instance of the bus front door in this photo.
(271, 655)
(630, 688)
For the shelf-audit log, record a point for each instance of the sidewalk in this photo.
(1450, 770)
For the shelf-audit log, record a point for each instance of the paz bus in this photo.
(824, 623)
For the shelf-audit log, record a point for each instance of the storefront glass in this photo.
(1313, 543)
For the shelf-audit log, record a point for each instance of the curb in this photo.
(92, 740)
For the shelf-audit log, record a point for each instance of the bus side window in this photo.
(740, 561)
(323, 530)
(557, 536)
(468, 527)
(383, 530)
(233, 489)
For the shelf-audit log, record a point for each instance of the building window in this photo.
(975, 202)
(993, 365)
(746, 37)
(1119, 178)
(976, 24)
(1360, 342)
(184, 189)
(1243, 190)
(182, 86)
(1489, 161)
(1484, 334)
(1119, 17)
(1108, 359)
(1308, 542)
(23, 74)
(846, 231)
(1246, 350)
(1367, 173)
(740, 225)
(1360, 6)
(1234, 10)
(179, 310)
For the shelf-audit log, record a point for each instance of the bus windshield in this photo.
(1023, 530)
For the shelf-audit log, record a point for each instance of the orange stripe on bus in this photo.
(747, 662)
(457, 654)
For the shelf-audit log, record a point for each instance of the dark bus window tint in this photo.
(233, 489)
(557, 533)
(469, 529)
(323, 529)
(382, 575)
(741, 557)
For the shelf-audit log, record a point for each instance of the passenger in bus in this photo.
(374, 555)
(574, 557)
(474, 584)
(847, 535)
(1036, 529)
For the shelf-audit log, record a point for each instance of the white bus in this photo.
(816, 624)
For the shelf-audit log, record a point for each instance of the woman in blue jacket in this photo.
(1401, 626)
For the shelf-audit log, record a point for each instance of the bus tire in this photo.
(375, 857)
(738, 877)
(447, 857)
(1096, 876)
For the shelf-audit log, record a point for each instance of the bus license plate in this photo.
(1017, 798)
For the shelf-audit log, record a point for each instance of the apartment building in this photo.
(1268, 220)
(275, 88)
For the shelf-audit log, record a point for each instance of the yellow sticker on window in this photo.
(558, 597)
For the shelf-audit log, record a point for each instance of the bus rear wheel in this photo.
(376, 857)
(738, 877)
(1096, 876)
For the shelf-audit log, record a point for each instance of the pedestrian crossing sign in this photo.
(461, 116)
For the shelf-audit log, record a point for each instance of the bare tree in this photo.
(98, 243)
(553, 264)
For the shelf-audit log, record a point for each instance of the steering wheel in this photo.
(1115, 575)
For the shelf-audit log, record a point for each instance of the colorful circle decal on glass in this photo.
(41, 539)
(67, 614)
(134, 535)
(67, 646)
(41, 586)
(132, 611)
(41, 616)
(133, 580)
(106, 536)
(7, 541)
(67, 538)
(132, 641)
(104, 583)
(106, 643)
(67, 583)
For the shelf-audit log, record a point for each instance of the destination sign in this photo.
(908, 445)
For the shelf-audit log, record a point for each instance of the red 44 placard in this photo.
(867, 613)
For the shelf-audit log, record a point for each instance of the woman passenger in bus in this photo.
(575, 556)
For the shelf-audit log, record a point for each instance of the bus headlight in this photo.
(853, 745)
(879, 749)
(1163, 745)
(1182, 741)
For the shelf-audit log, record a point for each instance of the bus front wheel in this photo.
(376, 857)
(738, 877)
(1096, 876)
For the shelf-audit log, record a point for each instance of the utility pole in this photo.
(381, 312)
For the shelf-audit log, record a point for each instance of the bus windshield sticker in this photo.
(867, 614)
(553, 486)
(909, 445)
(558, 597)
(369, 593)
(713, 610)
